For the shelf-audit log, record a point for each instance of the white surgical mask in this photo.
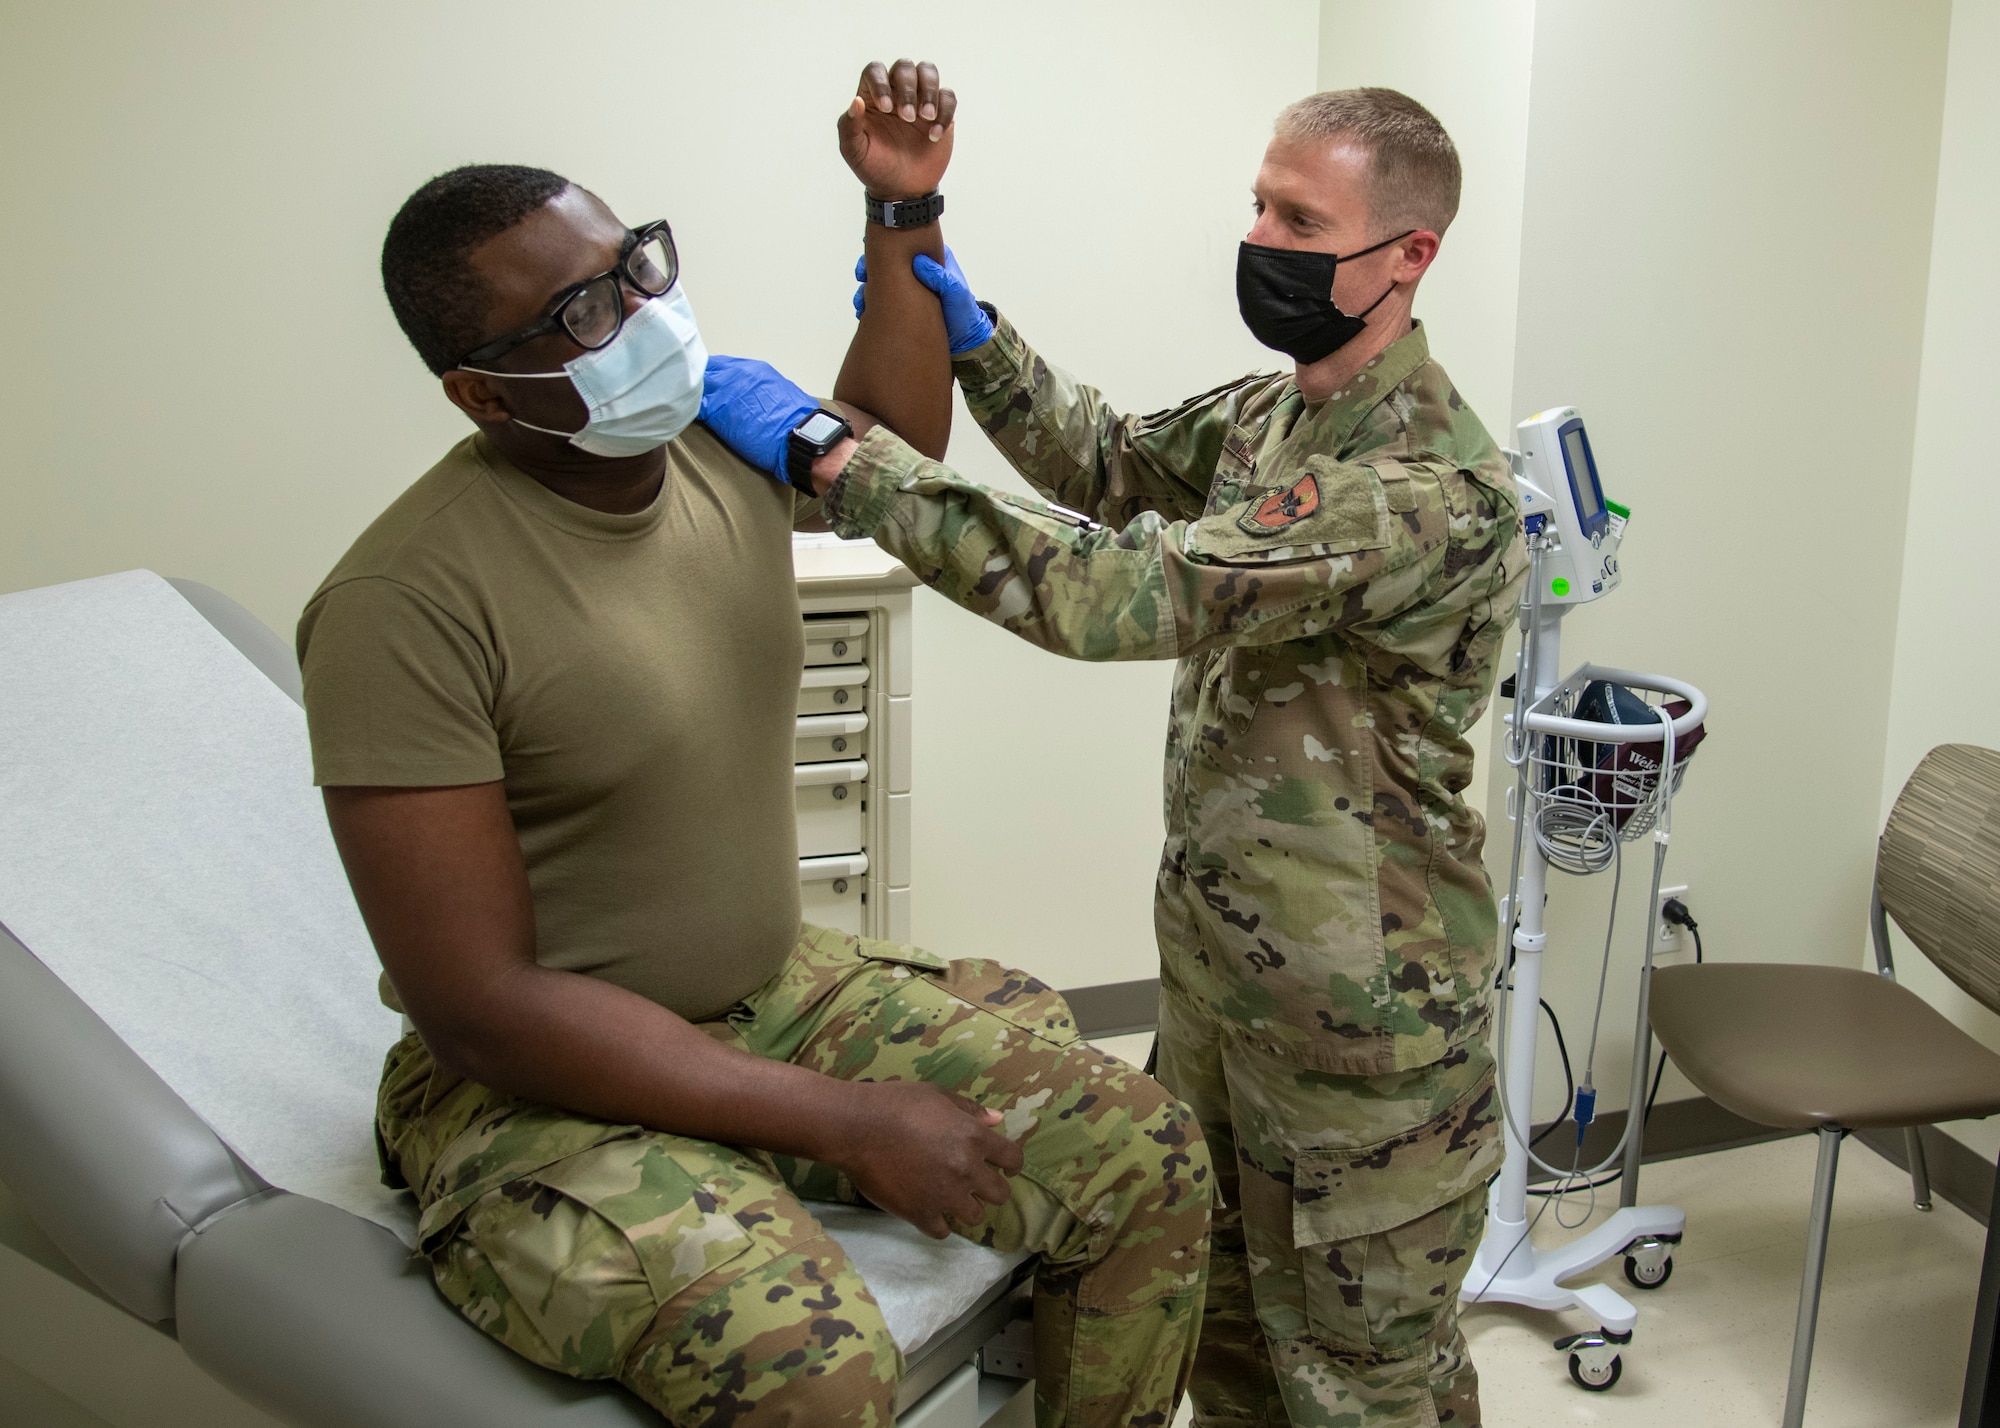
(643, 387)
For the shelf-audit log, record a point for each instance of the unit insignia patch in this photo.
(1282, 508)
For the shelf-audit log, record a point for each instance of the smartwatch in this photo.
(905, 212)
(810, 440)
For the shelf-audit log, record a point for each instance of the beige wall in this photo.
(1732, 259)
(202, 377)
(1723, 266)
(1707, 225)
(1037, 779)
(1468, 62)
(1947, 682)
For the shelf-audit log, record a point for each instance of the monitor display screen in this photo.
(1582, 476)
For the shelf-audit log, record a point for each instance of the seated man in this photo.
(551, 692)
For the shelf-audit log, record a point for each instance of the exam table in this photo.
(189, 1039)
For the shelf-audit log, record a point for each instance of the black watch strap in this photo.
(801, 453)
(905, 212)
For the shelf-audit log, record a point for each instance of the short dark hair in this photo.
(439, 302)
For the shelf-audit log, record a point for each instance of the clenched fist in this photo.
(897, 132)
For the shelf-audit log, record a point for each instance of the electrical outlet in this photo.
(1670, 937)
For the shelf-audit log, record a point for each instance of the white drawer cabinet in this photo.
(852, 756)
(824, 737)
(831, 891)
(831, 798)
(833, 689)
(836, 639)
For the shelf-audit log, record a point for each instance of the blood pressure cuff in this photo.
(1623, 766)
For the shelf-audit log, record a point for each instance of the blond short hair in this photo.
(1415, 173)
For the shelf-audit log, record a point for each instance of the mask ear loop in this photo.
(1375, 304)
(548, 430)
(545, 430)
(1364, 253)
(1373, 248)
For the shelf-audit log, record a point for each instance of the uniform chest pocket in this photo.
(1329, 508)
(1235, 470)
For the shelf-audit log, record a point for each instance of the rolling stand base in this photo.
(1510, 1270)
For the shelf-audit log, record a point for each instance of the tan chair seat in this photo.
(1804, 1046)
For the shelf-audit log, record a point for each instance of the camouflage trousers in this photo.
(1348, 1211)
(692, 1273)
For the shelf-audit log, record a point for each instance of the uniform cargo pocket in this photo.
(502, 1148)
(590, 1248)
(681, 1225)
(1343, 1194)
(1385, 1232)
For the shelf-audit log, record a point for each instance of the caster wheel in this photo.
(1642, 1278)
(1595, 1380)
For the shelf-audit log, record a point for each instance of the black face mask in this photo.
(1285, 296)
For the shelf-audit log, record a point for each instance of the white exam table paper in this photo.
(164, 853)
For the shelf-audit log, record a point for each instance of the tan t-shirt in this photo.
(632, 678)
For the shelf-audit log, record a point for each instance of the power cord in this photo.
(1674, 912)
(1569, 1078)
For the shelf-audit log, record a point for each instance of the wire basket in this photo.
(1593, 783)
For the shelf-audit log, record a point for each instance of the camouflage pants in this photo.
(692, 1273)
(1348, 1211)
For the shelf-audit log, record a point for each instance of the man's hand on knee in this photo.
(924, 1154)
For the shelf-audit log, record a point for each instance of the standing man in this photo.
(1332, 556)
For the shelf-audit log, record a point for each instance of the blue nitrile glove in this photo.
(966, 324)
(754, 408)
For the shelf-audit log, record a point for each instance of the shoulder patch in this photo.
(1282, 508)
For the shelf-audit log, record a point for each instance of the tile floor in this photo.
(1714, 1343)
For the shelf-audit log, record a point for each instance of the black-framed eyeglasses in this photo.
(592, 311)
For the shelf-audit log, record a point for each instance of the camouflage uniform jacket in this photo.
(1334, 579)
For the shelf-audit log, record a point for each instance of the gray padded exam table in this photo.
(155, 1173)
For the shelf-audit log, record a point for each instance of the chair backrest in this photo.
(1937, 868)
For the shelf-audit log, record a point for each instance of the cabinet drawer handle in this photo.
(843, 772)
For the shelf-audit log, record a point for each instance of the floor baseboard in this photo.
(1693, 1126)
(1697, 1125)
(1958, 1175)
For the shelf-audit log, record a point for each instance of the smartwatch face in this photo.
(818, 429)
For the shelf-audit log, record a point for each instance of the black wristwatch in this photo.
(810, 440)
(905, 212)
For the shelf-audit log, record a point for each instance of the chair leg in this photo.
(1920, 1170)
(1980, 1407)
(1822, 1216)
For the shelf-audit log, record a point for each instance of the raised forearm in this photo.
(899, 364)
